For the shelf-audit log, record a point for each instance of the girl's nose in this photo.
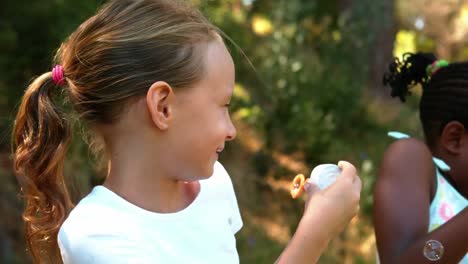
(232, 132)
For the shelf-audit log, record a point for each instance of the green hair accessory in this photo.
(435, 66)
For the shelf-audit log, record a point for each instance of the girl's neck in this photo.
(141, 176)
(163, 198)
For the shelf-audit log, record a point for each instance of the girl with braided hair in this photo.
(420, 198)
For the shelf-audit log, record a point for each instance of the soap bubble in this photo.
(433, 250)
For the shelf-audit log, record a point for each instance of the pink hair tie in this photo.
(57, 75)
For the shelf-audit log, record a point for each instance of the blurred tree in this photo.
(381, 51)
(443, 21)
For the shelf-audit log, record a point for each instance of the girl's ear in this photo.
(159, 100)
(452, 137)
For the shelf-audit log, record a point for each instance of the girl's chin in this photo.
(209, 170)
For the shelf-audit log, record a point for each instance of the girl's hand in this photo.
(326, 213)
(336, 205)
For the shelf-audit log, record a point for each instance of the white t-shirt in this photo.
(105, 228)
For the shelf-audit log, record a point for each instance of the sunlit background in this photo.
(309, 91)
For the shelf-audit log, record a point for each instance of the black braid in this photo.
(445, 93)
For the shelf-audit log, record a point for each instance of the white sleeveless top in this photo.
(447, 201)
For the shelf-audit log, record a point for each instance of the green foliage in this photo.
(305, 91)
(310, 71)
(30, 32)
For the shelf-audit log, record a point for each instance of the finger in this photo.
(348, 174)
(358, 183)
(355, 178)
(347, 168)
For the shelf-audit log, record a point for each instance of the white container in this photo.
(324, 175)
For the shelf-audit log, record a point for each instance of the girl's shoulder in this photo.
(407, 162)
(407, 151)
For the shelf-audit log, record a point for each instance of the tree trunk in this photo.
(382, 51)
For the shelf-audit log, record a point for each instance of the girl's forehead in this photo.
(218, 79)
(219, 65)
(218, 58)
